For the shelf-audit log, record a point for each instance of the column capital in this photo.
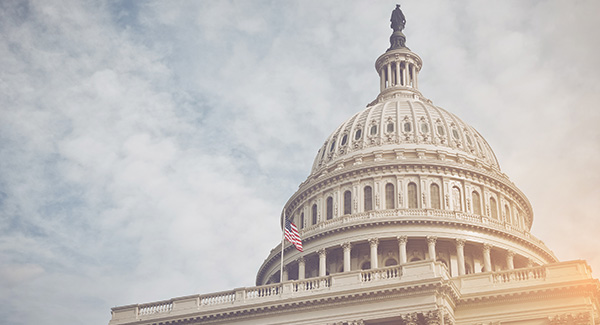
(487, 247)
(460, 242)
(402, 239)
(510, 253)
(431, 239)
(346, 245)
(373, 241)
(301, 260)
(433, 317)
(322, 252)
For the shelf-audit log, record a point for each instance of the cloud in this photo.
(147, 148)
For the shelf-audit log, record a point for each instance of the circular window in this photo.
(358, 134)
(424, 127)
(374, 130)
(407, 127)
(344, 139)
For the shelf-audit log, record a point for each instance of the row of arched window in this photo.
(412, 197)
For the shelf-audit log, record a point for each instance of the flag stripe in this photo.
(292, 235)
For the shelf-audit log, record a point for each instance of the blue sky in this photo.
(146, 148)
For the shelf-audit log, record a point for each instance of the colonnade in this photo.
(402, 255)
(398, 73)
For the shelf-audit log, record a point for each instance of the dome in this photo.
(404, 181)
(407, 125)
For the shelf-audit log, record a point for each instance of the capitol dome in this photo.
(403, 181)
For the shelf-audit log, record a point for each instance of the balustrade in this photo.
(311, 284)
(263, 291)
(520, 275)
(155, 308)
(380, 274)
(216, 299)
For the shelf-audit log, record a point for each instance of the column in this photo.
(382, 79)
(431, 246)
(285, 273)
(389, 75)
(398, 78)
(374, 242)
(510, 260)
(347, 247)
(301, 268)
(402, 248)
(487, 260)
(322, 262)
(416, 79)
(460, 253)
(405, 74)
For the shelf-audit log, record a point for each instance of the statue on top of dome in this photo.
(398, 20)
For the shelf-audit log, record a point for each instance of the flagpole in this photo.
(282, 242)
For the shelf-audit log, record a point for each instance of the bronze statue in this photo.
(397, 19)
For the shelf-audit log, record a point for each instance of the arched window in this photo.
(365, 266)
(314, 214)
(368, 198)
(301, 220)
(507, 213)
(390, 262)
(329, 208)
(347, 202)
(494, 208)
(389, 196)
(434, 192)
(413, 201)
(456, 199)
(476, 203)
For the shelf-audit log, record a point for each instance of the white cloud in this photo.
(148, 148)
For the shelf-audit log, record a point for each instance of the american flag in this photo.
(292, 235)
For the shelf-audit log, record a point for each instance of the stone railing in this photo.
(338, 282)
(390, 272)
(547, 274)
(520, 275)
(155, 308)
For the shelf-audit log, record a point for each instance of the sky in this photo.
(148, 147)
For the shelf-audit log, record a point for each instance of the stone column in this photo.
(487, 259)
(382, 79)
(510, 260)
(347, 247)
(389, 75)
(285, 273)
(415, 77)
(431, 246)
(405, 74)
(402, 249)
(398, 78)
(301, 268)
(374, 242)
(322, 262)
(460, 253)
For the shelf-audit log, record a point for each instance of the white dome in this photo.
(408, 123)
